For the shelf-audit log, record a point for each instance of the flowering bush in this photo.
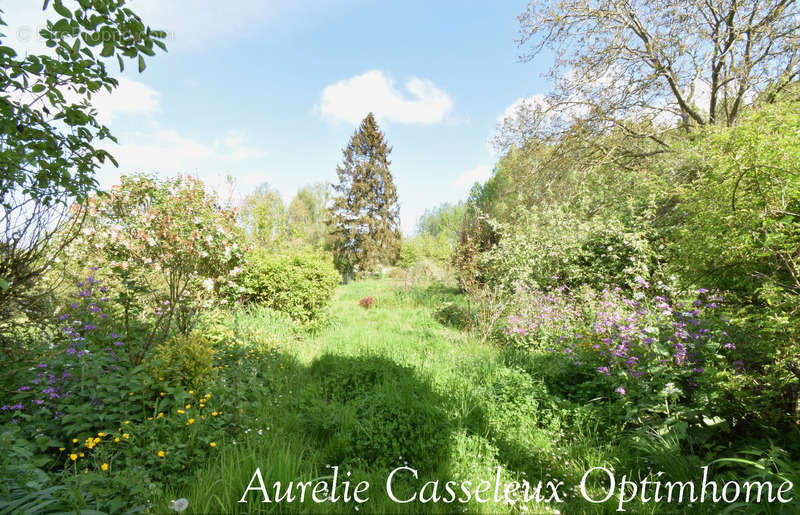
(168, 245)
(85, 407)
(86, 381)
(593, 253)
(648, 348)
(366, 302)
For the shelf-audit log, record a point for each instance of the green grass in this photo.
(382, 387)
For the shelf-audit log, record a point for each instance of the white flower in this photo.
(670, 389)
(208, 284)
(179, 505)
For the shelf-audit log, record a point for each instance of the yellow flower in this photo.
(191, 392)
(127, 422)
(191, 421)
(181, 411)
(213, 444)
(162, 394)
(149, 418)
(202, 405)
(102, 434)
(116, 440)
(160, 415)
(125, 435)
(61, 448)
(74, 440)
(214, 413)
(73, 456)
(81, 455)
(188, 406)
(161, 454)
(104, 467)
(131, 394)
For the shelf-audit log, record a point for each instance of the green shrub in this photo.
(424, 247)
(300, 285)
(453, 315)
(555, 249)
(184, 359)
(374, 412)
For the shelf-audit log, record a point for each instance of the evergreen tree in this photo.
(365, 225)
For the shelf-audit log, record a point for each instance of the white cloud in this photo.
(195, 25)
(478, 174)
(129, 98)
(512, 112)
(166, 152)
(351, 99)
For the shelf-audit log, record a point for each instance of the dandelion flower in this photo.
(213, 444)
(179, 504)
(73, 456)
(191, 421)
(161, 454)
(181, 411)
(104, 467)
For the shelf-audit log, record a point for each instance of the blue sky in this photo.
(272, 91)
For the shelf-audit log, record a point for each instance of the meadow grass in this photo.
(490, 409)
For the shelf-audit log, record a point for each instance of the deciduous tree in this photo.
(49, 131)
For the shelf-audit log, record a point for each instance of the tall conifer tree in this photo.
(365, 215)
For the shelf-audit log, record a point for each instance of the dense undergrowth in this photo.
(391, 386)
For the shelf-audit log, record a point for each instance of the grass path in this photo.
(391, 386)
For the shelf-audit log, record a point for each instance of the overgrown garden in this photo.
(622, 293)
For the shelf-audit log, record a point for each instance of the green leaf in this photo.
(38, 88)
(60, 9)
(142, 64)
(4, 284)
(108, 49)
(121, 63)
(4, 50)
